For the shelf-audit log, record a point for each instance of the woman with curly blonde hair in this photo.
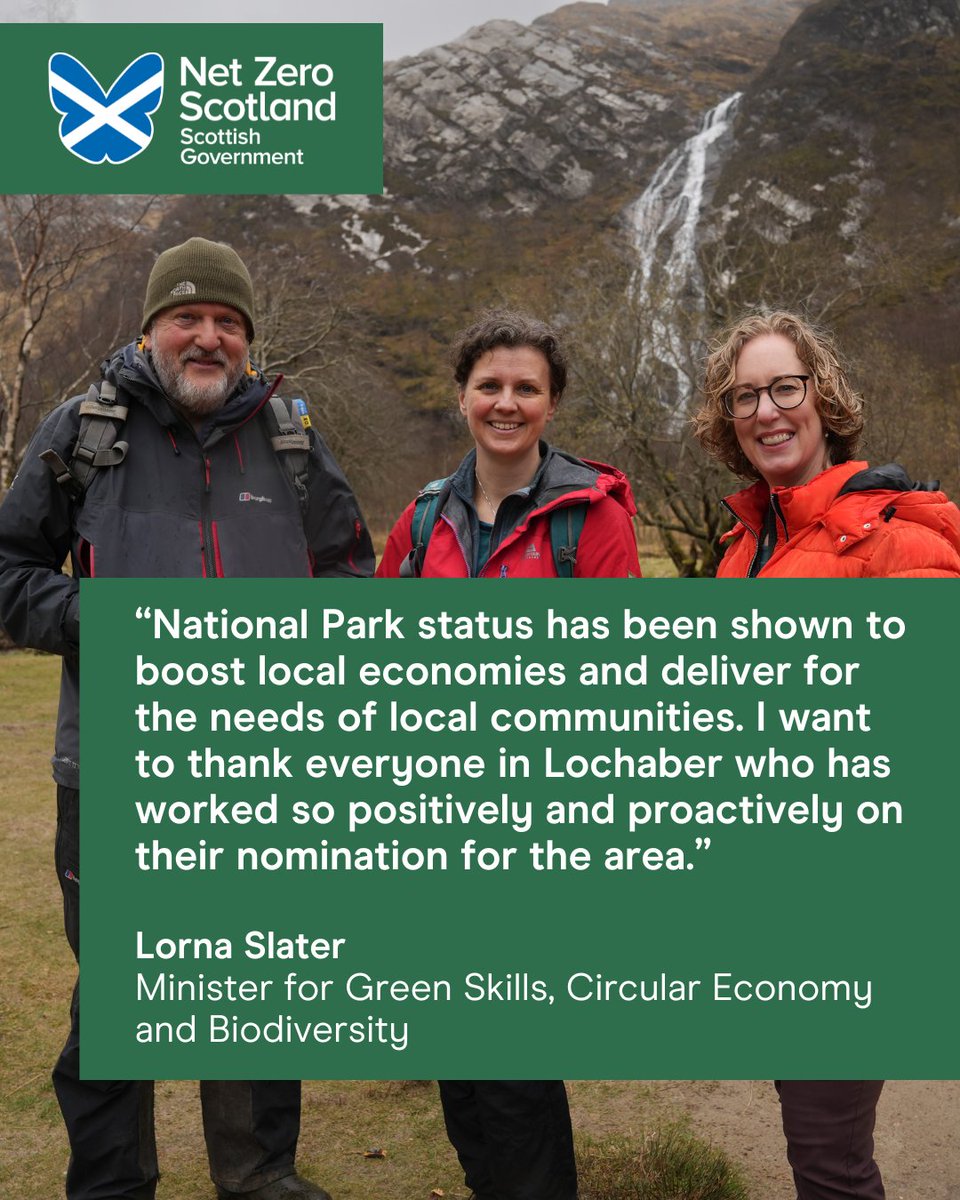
(780, 410)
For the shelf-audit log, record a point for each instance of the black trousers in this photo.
(513, 1137)
(251, 1127)
(829, 1129)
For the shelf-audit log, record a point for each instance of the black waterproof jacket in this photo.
(179, 506)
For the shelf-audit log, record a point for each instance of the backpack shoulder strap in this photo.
(102, 419)
(425, 512)
(566, 525)
(290, 443)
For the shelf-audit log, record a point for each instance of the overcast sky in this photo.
(408, 25)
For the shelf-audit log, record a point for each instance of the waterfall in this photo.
(668, 212)
(664, 287)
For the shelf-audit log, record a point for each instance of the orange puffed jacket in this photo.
(850, 522)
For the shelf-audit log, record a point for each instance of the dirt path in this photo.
(918, 1128)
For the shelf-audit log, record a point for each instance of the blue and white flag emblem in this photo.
(111, 126)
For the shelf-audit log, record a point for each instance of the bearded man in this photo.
(181, 474)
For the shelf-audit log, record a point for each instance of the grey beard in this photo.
(198, 399)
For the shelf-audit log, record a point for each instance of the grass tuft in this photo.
(670, 1163)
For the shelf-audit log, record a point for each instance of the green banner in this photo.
(611, 829)
(193, 109)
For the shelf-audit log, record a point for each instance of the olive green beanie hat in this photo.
(199, 272)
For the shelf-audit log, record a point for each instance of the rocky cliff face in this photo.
(513, 115)
(585, 102)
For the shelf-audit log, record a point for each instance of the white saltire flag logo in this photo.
(111, 126)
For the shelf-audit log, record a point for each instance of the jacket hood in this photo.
(848, 501)
(890, 477)
(131, 368)
(564, 472)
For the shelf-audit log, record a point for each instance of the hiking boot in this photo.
(290, 1187)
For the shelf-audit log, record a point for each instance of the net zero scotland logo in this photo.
(112, 126)
(195, 109)
(258, 101)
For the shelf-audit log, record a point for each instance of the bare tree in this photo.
(306, 328)
(46, 243)
(310, 331)
(635, 388)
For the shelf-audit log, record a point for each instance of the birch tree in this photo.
(46, 244)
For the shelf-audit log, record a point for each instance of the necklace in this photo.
(483, 492)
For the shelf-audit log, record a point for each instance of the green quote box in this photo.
(194, 109)
(344, 829)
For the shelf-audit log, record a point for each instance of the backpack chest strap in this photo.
(101, 420)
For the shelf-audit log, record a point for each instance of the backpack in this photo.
(566, 525)
(102, 419)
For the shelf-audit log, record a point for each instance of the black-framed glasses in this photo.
(786, 391)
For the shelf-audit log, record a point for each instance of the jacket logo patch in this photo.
(112, 126)
(532, 552)
(249, 497)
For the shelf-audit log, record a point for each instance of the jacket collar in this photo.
(803, 505)
(847, 501)
(132, 369)
(558, 475)
(560, 478)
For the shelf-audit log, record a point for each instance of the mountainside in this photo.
(844, 173)
(511, 115)
(578, 107)
(513, 155)
(855, 114)
(551, 166)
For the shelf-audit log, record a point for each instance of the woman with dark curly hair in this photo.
(780, 410)
(516, 507)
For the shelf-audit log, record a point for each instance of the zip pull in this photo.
(206, 474)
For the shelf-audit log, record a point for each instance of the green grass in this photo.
(37, 964)
(341, 1120)
(657, 566)
(669, 1163)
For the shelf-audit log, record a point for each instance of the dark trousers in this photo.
(513, 1137)
(251, 1128)
(829, 1129)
